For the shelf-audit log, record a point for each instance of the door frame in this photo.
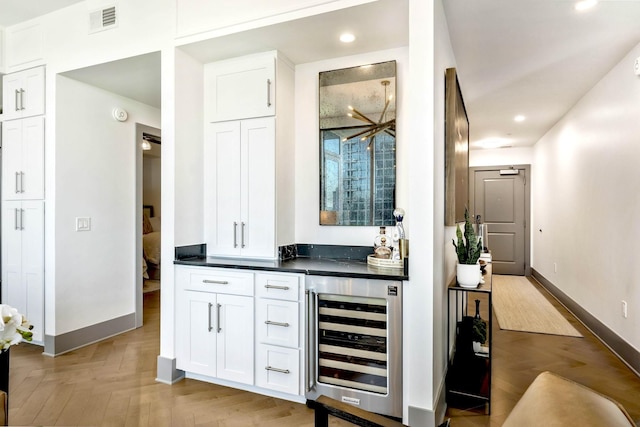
(527, 204)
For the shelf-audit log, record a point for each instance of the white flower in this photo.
(13, 327)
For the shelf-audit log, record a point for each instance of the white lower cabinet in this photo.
(224, 332)
(215, 330)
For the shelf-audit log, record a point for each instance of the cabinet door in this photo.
(32, 178)
(258, 188)
(32, 95)
(23, 94)
(11, 86)
(222, 189)
(11, 160)
(235, 339)
(197, 330)
(242, 88)
(13, 292)
(32, 223)
(23, 159)
(23, 261)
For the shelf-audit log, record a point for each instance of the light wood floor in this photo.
(112, 383)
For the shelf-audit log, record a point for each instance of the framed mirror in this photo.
(358, 145)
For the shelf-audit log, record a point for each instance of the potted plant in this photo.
(468, 250)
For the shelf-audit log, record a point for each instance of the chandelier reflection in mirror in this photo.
(357, 145)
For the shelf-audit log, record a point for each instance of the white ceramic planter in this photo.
(468, 275)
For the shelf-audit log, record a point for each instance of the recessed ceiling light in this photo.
(347, 38)
(519, 118)
(585, 4)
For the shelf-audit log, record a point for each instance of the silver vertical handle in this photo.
(15, 218)
(21, 219)
(17, 94)
(235, 234)
(22, 99)
(22, 182)
(242, 234)
(268, 92)
(209, 318)
(311, 340)
(17, 186)
(219, 306)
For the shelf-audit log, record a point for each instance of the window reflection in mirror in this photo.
(357, 145)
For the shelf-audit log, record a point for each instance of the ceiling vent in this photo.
(103, 19)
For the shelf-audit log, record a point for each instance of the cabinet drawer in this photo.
(277, 322)
(278, 369)
(278, 286)
(218, 281)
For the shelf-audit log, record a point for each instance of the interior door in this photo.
(499, 197)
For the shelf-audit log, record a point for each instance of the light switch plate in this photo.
(83, 223)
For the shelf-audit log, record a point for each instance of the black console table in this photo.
(469, 371)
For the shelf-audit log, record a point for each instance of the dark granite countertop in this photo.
(309, 266)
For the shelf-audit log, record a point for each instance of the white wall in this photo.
(444, 255)
(307, 175)
(586, 201)
(501, 156)
(95, 177)
(151, 183)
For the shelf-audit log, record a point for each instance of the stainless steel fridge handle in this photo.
(311, 340)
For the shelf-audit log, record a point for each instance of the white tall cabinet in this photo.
(23, 195)
(240, 188)
(248, 156)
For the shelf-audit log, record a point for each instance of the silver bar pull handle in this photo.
(311, 340)
(282, 288)
(209, 319)
(242, 234)
(270, 322)
(268, 92)
(17, 185)
(22, 99)
(235, 234)
(282, 371)
(215, 282)
(17, 94)
(219, 306)
(15, 219)
(21, 219)
(22, 182)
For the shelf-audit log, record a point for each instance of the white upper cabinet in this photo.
(240, 188)
(23, 159)
(23, 94)
(241, 88)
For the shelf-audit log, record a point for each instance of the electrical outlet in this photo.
(555, 267)
(83, 224)
(625, 313)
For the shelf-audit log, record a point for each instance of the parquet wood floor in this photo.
(112, 383)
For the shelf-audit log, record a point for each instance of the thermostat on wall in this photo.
(636, 67)
(119, 114)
